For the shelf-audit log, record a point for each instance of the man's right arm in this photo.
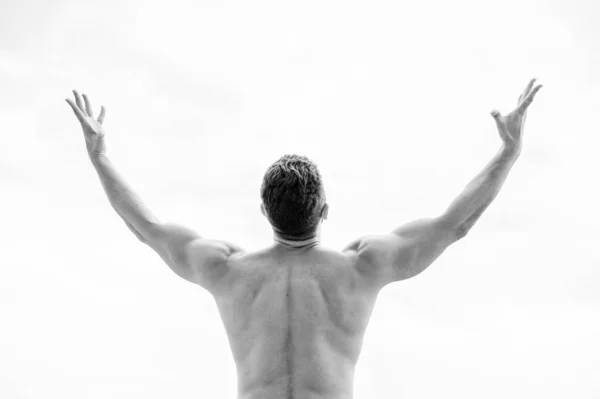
(411, 248)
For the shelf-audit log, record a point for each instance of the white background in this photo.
(390, 98)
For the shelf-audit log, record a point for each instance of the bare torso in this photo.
(295, 320)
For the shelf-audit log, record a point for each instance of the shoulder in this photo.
(363, 259)
(211, 261)
(403, 253)
(207, 250)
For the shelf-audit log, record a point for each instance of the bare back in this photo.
(295, 319)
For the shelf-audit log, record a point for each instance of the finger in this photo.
(527, 100)
(88, 105)
(102, 114)
(497, 117)
(78, 100)
(76, 110)
(527, 89)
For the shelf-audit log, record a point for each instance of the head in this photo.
(293, 198)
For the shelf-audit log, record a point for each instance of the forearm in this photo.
(481, 191)
(122, 198)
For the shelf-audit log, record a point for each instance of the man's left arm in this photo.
(192, 257)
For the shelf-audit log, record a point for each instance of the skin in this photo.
(296, 316)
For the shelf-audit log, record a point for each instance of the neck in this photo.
(297, 242)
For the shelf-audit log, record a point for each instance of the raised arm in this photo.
(192, 257)
(410, 249)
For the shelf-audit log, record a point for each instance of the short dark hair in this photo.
(293, 195)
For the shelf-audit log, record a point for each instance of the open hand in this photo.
(92, 128)
(511, 126)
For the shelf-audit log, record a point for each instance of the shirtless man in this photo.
(296, 313)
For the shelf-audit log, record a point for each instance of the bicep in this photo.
(196, 259)
(405, 252)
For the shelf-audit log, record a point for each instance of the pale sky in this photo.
(392, 101)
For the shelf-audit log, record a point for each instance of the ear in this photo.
(262, 209)
(325, 211)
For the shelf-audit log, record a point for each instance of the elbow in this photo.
(140, 237)
(135, 232)
(463, 228)
(454, 229)
(461, 232)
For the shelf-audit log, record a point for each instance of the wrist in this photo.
(512, 150)
(97, 156)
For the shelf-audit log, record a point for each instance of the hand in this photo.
(511, 126)
(92, 128)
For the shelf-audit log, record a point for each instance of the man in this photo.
(296, 312)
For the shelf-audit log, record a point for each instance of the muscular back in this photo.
(295, 319)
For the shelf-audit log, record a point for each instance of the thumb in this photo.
(496, 115)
